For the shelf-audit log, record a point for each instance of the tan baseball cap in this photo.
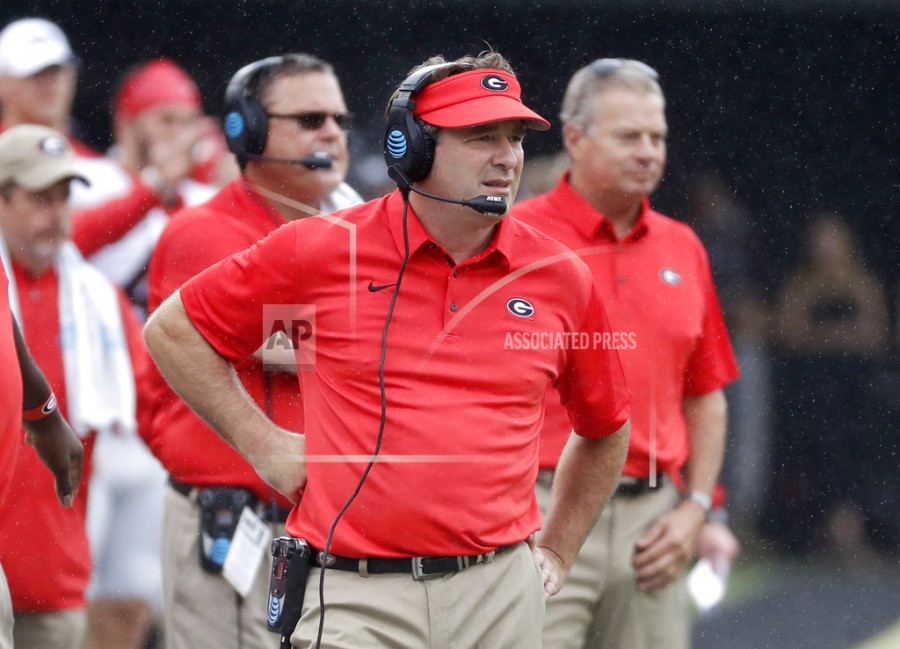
(36, 157)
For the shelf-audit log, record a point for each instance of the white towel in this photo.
(343, 196)
(100, 391)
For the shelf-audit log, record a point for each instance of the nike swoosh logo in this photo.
(373, 288)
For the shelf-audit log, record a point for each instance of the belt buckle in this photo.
(418, 570)
(326, 560)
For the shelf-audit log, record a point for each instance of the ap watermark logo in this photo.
(290, 334)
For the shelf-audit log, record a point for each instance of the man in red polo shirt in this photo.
(626, 589)
(145, 177)
(270, 192)
(430, 331)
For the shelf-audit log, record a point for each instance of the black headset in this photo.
(408, 149)
(246, 124)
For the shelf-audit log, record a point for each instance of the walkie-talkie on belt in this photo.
(287, 584)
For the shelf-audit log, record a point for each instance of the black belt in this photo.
(419, 567)
(629, 487)
(545, 477)
(626, 487)
(268, 512)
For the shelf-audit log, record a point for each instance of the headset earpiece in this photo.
(246, 124)
(408, 149)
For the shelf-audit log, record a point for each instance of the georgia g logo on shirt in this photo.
(520, 307)
(669, 276)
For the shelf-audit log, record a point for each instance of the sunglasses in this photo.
(604, 67)
(313, 121)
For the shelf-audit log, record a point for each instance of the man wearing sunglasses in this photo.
(286, 121)
(626, 588)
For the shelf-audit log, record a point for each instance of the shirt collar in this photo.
(590, 222)
(255, 203)
(500, 246)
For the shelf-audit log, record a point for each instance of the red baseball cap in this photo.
(159, 83)
(475, 97)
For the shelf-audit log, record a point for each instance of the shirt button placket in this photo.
(452, 300)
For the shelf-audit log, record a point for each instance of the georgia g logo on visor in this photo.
(520, 307)
(494, 82)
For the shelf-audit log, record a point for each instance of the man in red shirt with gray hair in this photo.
(423, 403)
(626, 588)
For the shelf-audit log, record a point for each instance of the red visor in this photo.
(160, 83)
(473, 98)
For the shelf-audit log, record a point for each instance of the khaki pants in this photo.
(497, 605)
(53, 630)
(201, 610)
(600, 605)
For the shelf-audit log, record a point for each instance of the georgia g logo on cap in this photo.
(494, 82)
(52, 145)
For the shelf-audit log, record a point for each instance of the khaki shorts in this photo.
(54, 630)
(124, 520)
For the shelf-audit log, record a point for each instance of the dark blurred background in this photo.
(795, 103)
(791, 108)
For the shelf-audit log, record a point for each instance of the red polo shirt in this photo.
(471, 351)
(11, 392)
(666, 322)
(193, 240)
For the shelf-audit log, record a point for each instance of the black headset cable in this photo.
(387, 321)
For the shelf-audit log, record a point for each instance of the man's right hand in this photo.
(173, 156)
(282, 465)
(60, 450)
(166, 161)
(552, 570)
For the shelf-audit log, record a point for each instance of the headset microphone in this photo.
(317, 160)
(481, 204)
